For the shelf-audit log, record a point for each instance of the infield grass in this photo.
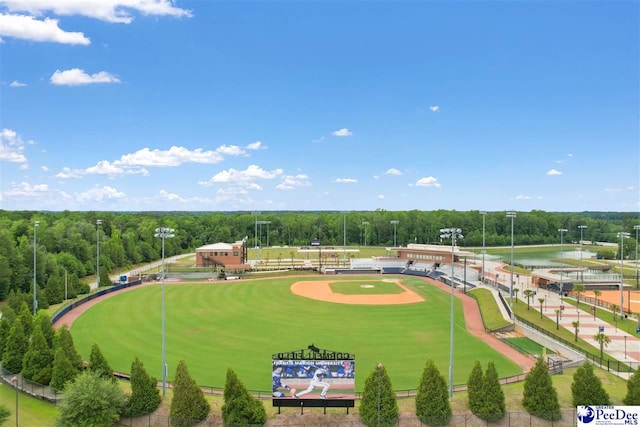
(240, 324)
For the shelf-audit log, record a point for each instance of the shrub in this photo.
(378, 405)
(539, 396)
(145, 395)
(432, 399)
(239, 406)
(188, 405)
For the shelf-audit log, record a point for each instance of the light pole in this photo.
(344, 233)
(622, 236)
(98, 222)
(484, 215)
(581, 227)
(260, 234)
(395, 223)
(636, 227)
(379, 390)
(14, 380)
(452, 233)
(562, 231)
(255, 233)
(35, 267)
(365, 223)
(164, 233)
(512, 215)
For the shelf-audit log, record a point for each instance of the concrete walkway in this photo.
(624, 347)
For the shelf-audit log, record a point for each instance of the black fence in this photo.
(604, 362)
(78, 302)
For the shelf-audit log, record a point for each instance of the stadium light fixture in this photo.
(452, 233)
(512, 215)
(395, 223)
(636, 228)
(164, 233)
(561, 231)
(581, 227)
(484, 215)
(98, 222)
(35, 269)
(622, 235)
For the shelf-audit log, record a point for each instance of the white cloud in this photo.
(434, 108)
(78, 77)
(342, 132)
(345, 180)
(175, 156)
(523, 197)
(315, 141)
(289, 182)
(554, 172)
(16, 83)
(380, 196)
(98, 194)
(106, 10)
(256, 146)
(137, 162)
(46, 30)
(244, 177)
(230, 150)
(11, 147)
(428, 181)
(393, 171)
(24, 189)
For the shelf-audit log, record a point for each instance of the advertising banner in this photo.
(313, 379)
(591, 416)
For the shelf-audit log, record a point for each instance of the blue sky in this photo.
(319, 105)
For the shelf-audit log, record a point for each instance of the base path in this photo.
(321, 290)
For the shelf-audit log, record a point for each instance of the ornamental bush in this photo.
(378, 405)
(432, 399)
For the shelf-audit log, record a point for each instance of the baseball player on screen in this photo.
(316, 381)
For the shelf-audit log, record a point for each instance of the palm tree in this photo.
(528, 293)
(614, 308)
(541, 300)
(515, 292)
(603, 340)
(557, 319)
(576, 325)
(578, 289)
(596, 293)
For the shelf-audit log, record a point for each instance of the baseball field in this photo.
(240, 324)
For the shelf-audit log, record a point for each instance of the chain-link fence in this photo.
(30, 387)
(511, 419)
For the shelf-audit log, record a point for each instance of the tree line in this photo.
(64, 245)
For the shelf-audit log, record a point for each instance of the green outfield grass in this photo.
(366, 287)
(240, 324)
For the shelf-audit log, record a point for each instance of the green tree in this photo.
(528, 293)
(25, 316)
(44, 319)
(63, 370)
(493, 402)
(474, 388)
(91, 401)
(633, 390)
(8, 317)
(578, 288)
(378, 405)
(586, 388)
(99, 365)
(4, 414)
(576, 329)
(239, 406)
(145, 395)
(188, 405)
(603, 340)
(15, 349)
(541, 300)
(432, 399)
(38, 360)
(64, 341)
(540, 398)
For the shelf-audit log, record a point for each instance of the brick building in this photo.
(227, 255)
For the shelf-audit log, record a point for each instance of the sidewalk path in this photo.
(624, 347)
